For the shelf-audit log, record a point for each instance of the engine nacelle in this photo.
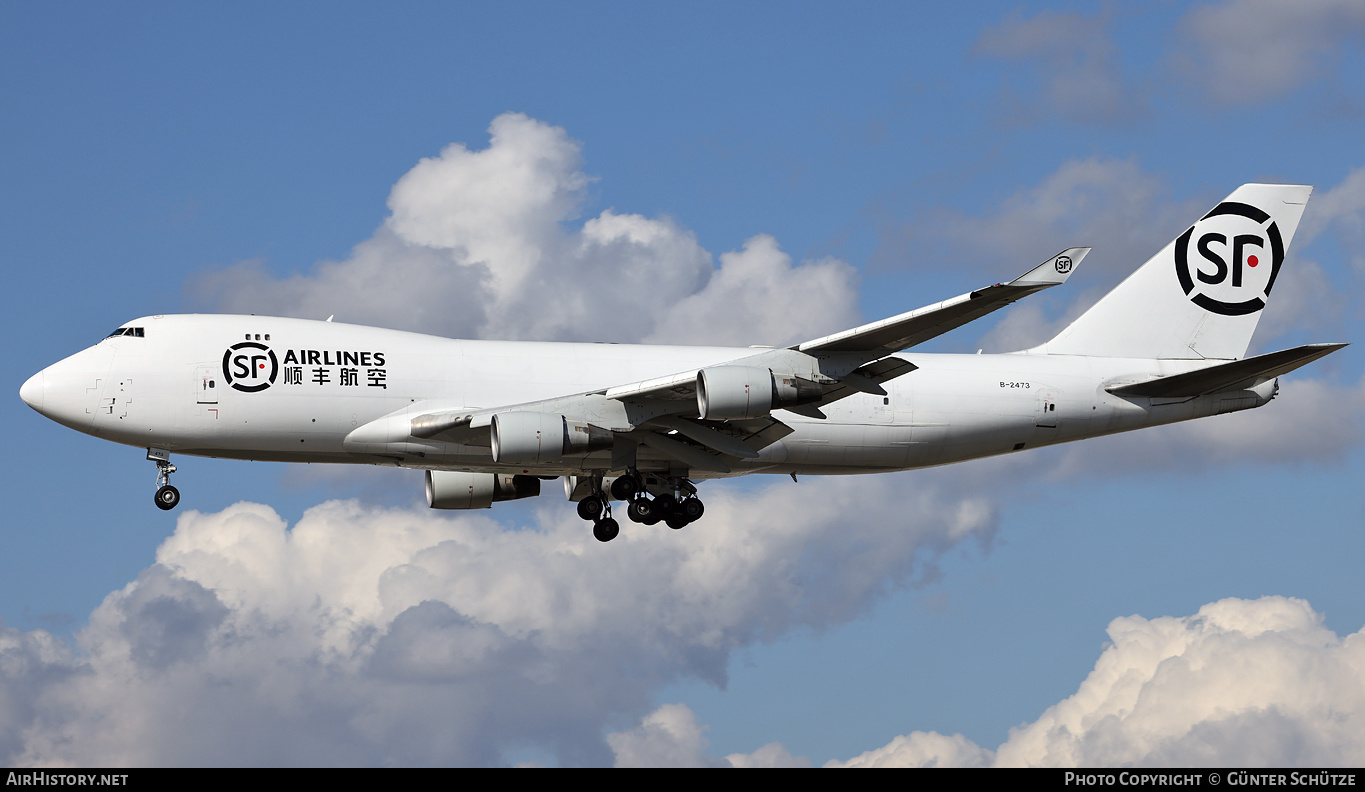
(530, 438)
(447, 489)
(727, 393)
(731, 392)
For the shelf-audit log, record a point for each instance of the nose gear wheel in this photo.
(167, 497)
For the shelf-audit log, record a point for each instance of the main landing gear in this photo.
(676, 505)
(167, 497)
(598, 509)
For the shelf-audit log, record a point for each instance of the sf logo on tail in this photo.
(1238, 253)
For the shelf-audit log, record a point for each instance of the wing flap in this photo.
(865, 379)
(710, 437)
(692, 456)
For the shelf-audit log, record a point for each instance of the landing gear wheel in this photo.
(167, 497)
(640, 511)
(693, 509)
(625, 487)
(606, 530)
(676, 520)
(590, 508)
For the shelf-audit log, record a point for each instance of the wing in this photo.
(877, 340)
(915, 327)
(713, 418)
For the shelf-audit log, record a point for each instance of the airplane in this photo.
(488, 421)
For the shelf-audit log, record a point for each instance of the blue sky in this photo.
(843, 163)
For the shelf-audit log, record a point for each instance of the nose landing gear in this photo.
(167, 497)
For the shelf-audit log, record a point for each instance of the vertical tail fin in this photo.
(1201, 296)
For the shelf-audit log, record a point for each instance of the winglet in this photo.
(1055, 270)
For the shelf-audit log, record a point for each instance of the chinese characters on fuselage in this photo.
(335, 367)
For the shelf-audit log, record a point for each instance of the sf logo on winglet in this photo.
(250, 367)
(1237, 254)
(1063, 264)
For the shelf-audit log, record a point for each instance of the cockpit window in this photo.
(136, 332)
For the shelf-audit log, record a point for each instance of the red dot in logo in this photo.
(1251, 262)
(263, 365)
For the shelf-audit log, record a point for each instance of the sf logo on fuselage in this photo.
(250, 366)
(1063, 264)
(1237, 254)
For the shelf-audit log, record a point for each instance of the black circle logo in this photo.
(1231, 273)
(250, 367)
(1063, 264)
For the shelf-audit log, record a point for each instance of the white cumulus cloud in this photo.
(671, 736)
(668, 737)
(1242, 683)
(487, 244)
(376, 636)
(922, 749)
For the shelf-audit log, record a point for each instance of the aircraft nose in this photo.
(69, 390)
(34, 390)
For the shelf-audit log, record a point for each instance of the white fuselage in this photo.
(181, 386)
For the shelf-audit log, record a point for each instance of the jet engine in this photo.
(448, 489)
(726, 393)
(529, 438)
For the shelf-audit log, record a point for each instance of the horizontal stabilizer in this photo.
(1234, 375)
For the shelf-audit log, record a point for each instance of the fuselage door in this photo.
(206, 384)
(1047, 411)
(883, 411)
